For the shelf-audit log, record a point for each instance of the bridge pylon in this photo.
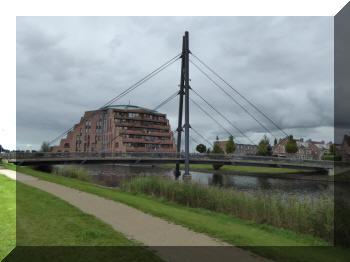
(184, 90)
(181, 94)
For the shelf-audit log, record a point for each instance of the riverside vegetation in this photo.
(306, 216)
(275, 243)
(72, 171)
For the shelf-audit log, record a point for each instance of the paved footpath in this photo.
(171, 242)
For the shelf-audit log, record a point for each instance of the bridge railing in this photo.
(160, 155)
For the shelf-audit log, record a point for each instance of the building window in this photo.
(66, 145)
(116, 145)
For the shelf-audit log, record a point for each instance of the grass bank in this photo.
(242, 169)
(306, 216)
(45, 220)
(7, 216)
(267, 241)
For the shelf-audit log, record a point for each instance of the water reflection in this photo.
(113, 175)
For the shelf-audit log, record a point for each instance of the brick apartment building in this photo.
(120, 128)
(241, 149)
(310, 150)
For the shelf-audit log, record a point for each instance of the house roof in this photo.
(128, 107)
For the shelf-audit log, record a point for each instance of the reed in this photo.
(302, 215)
(72, 171)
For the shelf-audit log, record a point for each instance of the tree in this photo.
(331, 149)
(264, 147)
(230, 145)
(208, 151)
(291, 146)
(45, 147)
(217, 150)
(217, 138)
(275, 142)
(201, 148)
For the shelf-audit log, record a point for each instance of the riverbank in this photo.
(302, 215)
(242, 169)
(260, 239)
(45, 220)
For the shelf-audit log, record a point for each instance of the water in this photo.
(312, 186)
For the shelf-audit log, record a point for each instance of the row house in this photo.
(309, 149)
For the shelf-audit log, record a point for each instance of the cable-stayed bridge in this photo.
(187, 95)
(47, 158)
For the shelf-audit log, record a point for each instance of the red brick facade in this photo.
(120, 128)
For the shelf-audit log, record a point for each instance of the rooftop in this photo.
(128, 107)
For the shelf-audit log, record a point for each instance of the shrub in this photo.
(291, 145)
(330, 157)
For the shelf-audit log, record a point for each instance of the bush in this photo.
(307, 216)
(291, 146)
(330, 157)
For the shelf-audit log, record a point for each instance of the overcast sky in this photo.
(284, 65)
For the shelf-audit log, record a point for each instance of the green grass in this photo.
(243, 169)
(306, 216)
(45, 220)
(7, 216)
(267, 241)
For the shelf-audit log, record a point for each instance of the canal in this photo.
(300, 185)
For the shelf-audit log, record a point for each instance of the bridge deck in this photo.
(136, 160)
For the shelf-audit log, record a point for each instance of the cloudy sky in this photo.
(284, 65)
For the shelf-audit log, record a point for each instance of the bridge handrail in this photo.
(162, 155)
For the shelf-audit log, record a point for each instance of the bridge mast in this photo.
(181, 93)
(187, 108)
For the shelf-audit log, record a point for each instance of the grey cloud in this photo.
(67, 65)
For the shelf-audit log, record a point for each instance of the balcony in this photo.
(142, 133)
(143, 149)
(164, 120)
(144, 141)
(143, 126)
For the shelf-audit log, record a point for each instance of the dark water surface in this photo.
(308, 186)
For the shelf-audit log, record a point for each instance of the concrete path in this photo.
(171, 241)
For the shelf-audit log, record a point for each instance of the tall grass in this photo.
(72, 171)
(309, 216)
